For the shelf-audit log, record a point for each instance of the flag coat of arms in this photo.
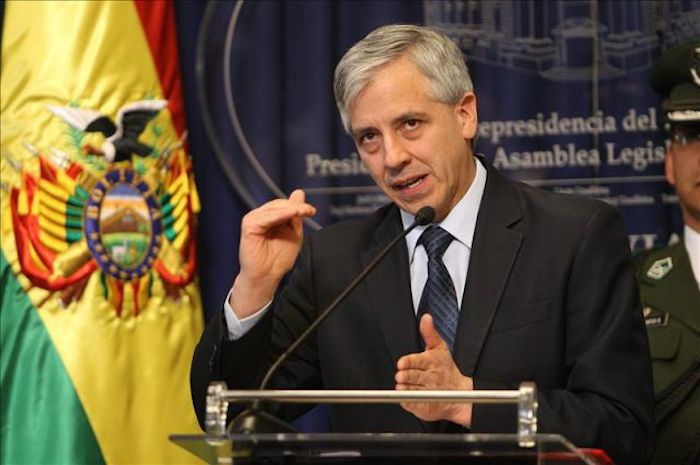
(100, 309)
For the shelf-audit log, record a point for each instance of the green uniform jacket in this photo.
(671, 302)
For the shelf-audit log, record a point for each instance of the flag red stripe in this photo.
(158, 22)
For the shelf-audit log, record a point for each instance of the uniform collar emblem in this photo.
(660, 268)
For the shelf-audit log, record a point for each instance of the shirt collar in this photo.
(691, 240)
(461, 221)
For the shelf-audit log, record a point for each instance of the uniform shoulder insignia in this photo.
(654, 317)
(660, 268)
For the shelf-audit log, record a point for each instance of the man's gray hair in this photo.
(436, 56)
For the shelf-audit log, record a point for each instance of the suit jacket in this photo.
(550, 297)
(671, 301)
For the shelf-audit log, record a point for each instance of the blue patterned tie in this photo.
(438, 296)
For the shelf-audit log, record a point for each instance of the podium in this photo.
(386, 448)
(219, 446)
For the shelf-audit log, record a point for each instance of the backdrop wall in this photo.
(562, 87)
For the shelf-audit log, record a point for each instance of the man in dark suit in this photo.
(511, 284)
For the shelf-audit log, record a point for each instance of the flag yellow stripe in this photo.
(22, 201)
(55, 229)
(178, 185)
(53, 243)
(35, 203)
(178, 209)
(180, 239)
(181, 230)
(66, 182)
(46, 200)
(180, 204)
(53, 190)
(194, 196)
(52, 215)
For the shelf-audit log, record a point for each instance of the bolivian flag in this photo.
(100, 310)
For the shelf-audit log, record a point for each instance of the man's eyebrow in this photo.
(409, 115)
(360, 131)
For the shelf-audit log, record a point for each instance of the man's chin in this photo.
(409, 207)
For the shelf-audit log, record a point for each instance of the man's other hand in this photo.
(433, 369)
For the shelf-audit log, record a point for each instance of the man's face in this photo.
(683, 172)
(415, 148)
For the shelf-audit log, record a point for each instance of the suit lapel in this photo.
(494, 250)
(389, 287)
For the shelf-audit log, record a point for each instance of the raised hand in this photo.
(271, 237)
(433, 369)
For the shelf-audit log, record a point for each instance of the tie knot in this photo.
(435, 240)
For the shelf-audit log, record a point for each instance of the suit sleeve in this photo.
(242, 363)
(607, 397)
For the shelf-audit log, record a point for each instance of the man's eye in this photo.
(367, 137)
(411, 124)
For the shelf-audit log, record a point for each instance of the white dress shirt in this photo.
(460, 222)
(691, 238)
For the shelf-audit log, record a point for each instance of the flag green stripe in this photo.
(39, 405)
(81, 194)
(166, 209)
(170, 234)
(72, 211)
(75, 223)
(73, 235)
(168, 221)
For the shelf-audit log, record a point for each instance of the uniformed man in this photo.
(669, 278)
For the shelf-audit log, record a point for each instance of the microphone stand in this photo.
(254, 419)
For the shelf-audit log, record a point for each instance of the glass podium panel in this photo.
(383, 448)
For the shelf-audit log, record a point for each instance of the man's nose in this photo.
(396, 155)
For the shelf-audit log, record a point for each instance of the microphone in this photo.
(253, 419)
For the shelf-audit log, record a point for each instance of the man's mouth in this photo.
(408, 183)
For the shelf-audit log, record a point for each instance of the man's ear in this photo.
(668, 167)
(466, 112)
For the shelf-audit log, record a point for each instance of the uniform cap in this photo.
(675, 76)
